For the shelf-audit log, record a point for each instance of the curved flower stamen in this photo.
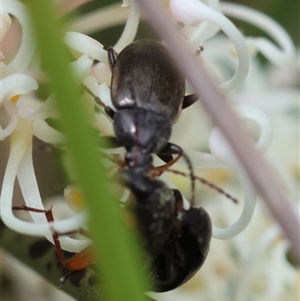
(102, 73)
(203, 160)
(82, 67)
(222, 151)
(20, 164)
(131, 26)
(263, 122)
(25, 84)
(10, 90)
(27, 48)
(46, 133)
(102, 91)
(10, 127)
(266, 47)
(4, 25)
(205, 29)
(16, 85)
(45, 110)
(82, 44)
(30, 192)
(249, 205)
(100, 19)
(194, 12)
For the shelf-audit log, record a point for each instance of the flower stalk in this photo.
(118, 252)
(215, 105)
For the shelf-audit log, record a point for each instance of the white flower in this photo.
(26, 117)
(234, 69)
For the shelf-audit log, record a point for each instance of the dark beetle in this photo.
(148, 94)
(153, 208)
(185, 251)
(176, 239)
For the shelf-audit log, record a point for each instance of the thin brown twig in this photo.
(222, 116)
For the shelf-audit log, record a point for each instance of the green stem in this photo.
(118, 255)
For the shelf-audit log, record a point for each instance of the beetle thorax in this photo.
(141, 130)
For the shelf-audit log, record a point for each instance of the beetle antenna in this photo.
(192, 176)
(205, 182)
(96, 98)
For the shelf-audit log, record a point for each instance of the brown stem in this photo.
(222, 116)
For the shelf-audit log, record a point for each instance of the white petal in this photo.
(46, 133)
(30, 192)
(104, 94)
(267, 48)
(17, 84)
(45, 110)
(92, 85)
(187, 12)
(20, 142)
(27, 48)
(10, 127)
(204, 31)
(192, 12)
(102, 73)
(86, 45)
(104, 125)
(104, 17)
(4, 24)
(20, 162)
(220, 148)
(203, 160)
(102, 91)
(223, 152)
(261, 119)
(82, 67)
(130, 29)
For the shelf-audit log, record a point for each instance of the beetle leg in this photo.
(188, 100)
(197, 220)
(167, 266)
(178, 200)
(165, 158)
(167, 152)
(112, 57)
(75, 264)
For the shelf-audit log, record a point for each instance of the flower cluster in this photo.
(231, 60)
